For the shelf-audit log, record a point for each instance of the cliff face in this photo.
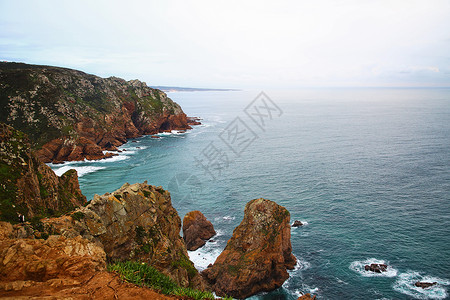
(136, 222)
(72, 115)
(28, 186)
(257, 255)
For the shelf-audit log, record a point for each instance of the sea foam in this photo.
(80, 170)
(358, 266)
(405, 285)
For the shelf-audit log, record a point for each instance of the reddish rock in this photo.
(56, 257)
(307, 297)
(196, 230)
(258, 254)
(424, 285)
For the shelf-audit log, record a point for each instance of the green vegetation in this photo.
(186, 264)
(143, 274)
(77, 215)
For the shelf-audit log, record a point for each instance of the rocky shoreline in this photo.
(51, 238)
(71, 116)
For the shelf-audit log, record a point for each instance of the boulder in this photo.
(377, 268)
(297, 223)
(196, 230)
(258, 254)
(424, 285)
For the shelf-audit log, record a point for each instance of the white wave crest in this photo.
(114, 158)
(80, 170)
(358, 266)
(405, 285)
(204, 256)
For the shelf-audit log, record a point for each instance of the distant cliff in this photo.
(71, 115)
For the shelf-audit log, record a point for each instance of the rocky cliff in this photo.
(71, 115)
(257, 255)
(136, 222)
(28, 186)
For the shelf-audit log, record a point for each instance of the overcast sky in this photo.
(241, 44)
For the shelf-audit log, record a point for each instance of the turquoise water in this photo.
(368, 170)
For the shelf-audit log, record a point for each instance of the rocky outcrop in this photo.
(307, 297)
(136, 222)
(257, 255)
(424, 285)
(59, 268)
(297, 223)
(71, 115)
(376, 268)
(196, 230)
(56, 257)
(28, 186)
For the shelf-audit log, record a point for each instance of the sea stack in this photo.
(196, 230)
(258, 254)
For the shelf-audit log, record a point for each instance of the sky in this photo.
(236, 44)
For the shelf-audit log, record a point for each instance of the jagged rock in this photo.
(297, 223)
(196, 230)
(56, 257)
(72, 115)
(136, 222)
(257, 255)
(28, 186)
(307, 297)
(377, 268)
(424, 285)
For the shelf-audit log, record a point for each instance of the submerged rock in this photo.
(424, 285)
(257, 255)
(297, 223)
(196, 230)
(377, 268)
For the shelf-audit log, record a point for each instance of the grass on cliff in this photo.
(145, 275)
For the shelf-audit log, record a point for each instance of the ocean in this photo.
(367, 171)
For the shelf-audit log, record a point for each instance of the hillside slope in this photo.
(71, 115)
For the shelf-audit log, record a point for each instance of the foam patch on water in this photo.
(224, 218)
(172, 133)
(205, 255)
(80, 170)
(405, 285)
(112, 159)
(300, 265)
(358, 266)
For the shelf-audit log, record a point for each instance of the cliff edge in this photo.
(70, 115)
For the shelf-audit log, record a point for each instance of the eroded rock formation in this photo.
(136, 222)
(196, 230)
(257, 255)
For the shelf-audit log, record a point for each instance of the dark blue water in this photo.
(368, 170)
